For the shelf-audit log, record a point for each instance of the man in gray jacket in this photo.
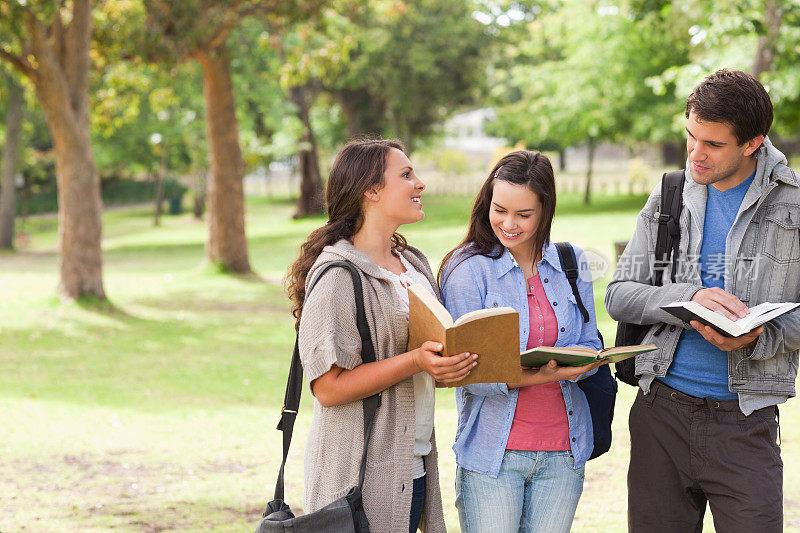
(704, 424)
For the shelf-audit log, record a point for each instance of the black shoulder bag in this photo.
(667, 239)
(600, 388)
(346, 513)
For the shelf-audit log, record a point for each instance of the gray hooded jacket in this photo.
(762, 265)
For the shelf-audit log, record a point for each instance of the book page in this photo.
(480, 313)
(763, 313)
(432, 303)
(760, 309)
(616, 358)
(584, 351)
(636, 349)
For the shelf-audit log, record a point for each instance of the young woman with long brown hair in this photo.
(521, 446)
(372, 190)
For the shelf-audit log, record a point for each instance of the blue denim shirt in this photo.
(486, 410)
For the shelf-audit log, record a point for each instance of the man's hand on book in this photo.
(726, 344)
(443, 369)
(726, 303)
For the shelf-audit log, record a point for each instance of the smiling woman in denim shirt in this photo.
(521, 447)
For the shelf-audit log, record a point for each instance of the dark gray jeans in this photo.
(687, 451)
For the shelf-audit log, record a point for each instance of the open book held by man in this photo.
(759, 314)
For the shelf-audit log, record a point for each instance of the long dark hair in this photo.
(358, 167)
(523, 167)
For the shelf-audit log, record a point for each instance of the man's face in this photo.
(715, 155)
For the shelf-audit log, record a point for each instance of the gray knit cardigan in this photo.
(328, 336)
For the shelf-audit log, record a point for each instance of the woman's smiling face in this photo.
(400, 197)
(514, 215)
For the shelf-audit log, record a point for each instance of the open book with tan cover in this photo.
(493, 334)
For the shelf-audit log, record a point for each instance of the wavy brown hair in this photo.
(358, 167)
(532, 169)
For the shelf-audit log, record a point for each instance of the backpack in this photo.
(667, 239)
(600, 388)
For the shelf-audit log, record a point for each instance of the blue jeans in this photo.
(417, 504)
(534, 492)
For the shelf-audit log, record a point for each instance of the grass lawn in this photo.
(158, 412)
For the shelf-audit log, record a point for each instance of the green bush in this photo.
(452, 162)
(115, 191)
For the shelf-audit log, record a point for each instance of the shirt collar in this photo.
(505, 263)
(550, 256)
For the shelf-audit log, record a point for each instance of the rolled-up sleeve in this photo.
(328, 333)
(462, 293)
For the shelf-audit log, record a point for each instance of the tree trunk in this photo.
(365, 116)
(79, 208)
(355, 128)
(562, 159)
(402, 130)
(10, 163)
(159, 177)
(62, 88)
(311, 200)
(589, 170)
(789, 146)
(199, 205)
(408, 140)
(227, 244)
(765, 53)
(673, 154)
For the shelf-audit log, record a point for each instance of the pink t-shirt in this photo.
(540, 420)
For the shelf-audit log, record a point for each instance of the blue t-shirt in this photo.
(698, 367)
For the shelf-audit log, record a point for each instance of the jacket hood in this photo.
(769, 158)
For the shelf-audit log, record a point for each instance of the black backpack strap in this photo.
(566, 255)
(294, 383)
(669, 231)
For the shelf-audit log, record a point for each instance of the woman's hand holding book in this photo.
(442, 369)
(552, 372)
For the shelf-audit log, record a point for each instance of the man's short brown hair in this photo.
(735, 98)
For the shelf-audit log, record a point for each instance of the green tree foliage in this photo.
(580, 75)
(428, 62)
(395, 67)
(199, 30)
(582, 71)
(266, 120)
(736, 34)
